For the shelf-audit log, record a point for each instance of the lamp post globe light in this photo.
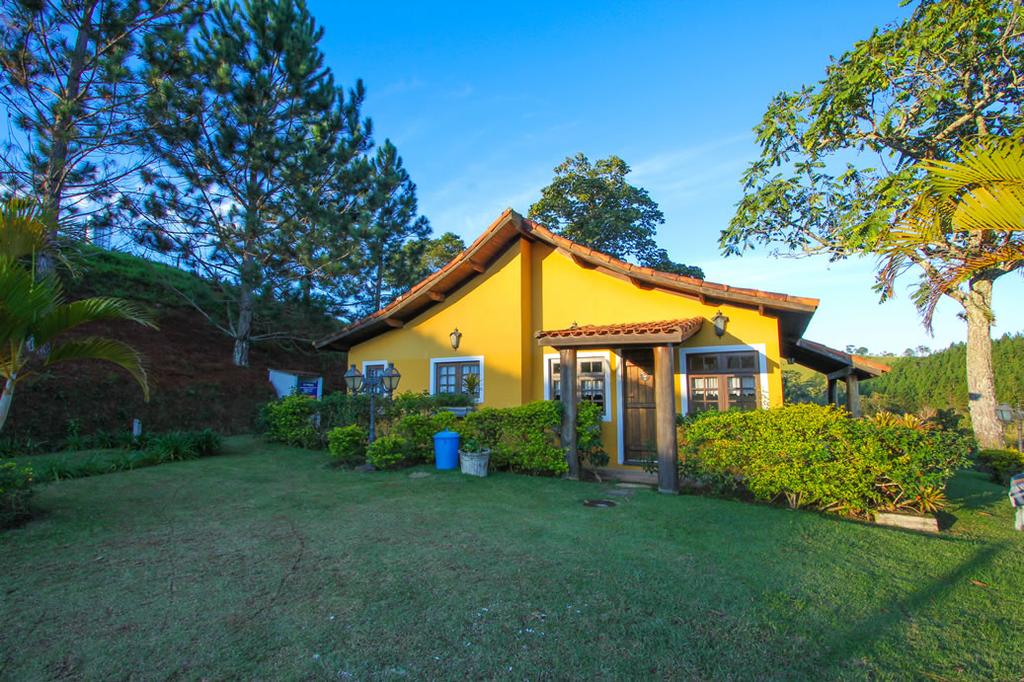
(386, 383)
(1008, 414)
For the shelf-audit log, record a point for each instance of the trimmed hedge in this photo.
(819, 457)
(1002, 464)
(303, 422)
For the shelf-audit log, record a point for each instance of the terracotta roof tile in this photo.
(685, 328)
(510, 223)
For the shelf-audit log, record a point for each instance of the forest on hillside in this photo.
(936, 381)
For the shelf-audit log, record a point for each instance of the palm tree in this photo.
(965, 230)
(34, 313)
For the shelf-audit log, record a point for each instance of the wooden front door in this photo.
(639, 429)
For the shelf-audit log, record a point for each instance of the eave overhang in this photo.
(793, 312)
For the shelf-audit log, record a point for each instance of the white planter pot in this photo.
(474, 463)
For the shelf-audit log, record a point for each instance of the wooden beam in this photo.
(582, 262)
(393, 323)
(567, 368)
(853, 395)
(435, 296)
(640, 284)
(478, 267)
(840, 373)
(665, 420)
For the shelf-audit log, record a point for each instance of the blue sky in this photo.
(483, 100)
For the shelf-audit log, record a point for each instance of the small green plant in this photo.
(388, 452)
(471, 386)
(15, 493)
(176, 446)
(588, 436)
(470, 443)
(347, 444)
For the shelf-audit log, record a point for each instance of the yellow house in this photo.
(528, 312)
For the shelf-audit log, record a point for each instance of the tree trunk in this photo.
(53, 181)
(981, 383)
(243, 330)
(5, 400)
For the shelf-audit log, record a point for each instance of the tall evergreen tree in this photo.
(245, 123)
(389, 221)
(72, 75)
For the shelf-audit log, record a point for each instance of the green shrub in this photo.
(341, 409)
(819, 457)
(1002, 464)
(408, 402)
(588, 435)
(347, 444)
(417, 430)
(523, 438)
(15, 493)
(175, 446)
(290, 420)
(388, 452)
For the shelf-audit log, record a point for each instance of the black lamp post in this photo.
(357, 383)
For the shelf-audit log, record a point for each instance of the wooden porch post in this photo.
(832, 393)
(665, 420)
(567, 370)
(853, 395)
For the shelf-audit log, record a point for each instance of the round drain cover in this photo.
(598, 503)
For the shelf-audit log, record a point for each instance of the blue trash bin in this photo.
(446, 450)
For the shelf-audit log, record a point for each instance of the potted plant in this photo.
(473, 456)
(471, 384)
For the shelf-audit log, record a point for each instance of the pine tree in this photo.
(248, 124)
(390, 221)
(72, 74)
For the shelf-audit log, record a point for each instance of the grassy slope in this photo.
(193, 381)
(265, 564)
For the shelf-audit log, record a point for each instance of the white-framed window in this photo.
(723, 378)
(458, 375)
(593, 380)
(372, 370)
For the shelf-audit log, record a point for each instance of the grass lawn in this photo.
(263, 563)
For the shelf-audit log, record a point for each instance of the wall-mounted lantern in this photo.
(455, 337)
(720, 321)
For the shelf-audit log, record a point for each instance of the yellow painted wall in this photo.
(563, 293)
(487, 310)
(532, 287)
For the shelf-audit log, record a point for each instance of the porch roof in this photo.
(622, 334)
(821, 358)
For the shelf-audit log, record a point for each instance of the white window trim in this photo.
(604, 355)
(367, 363)
(684, 382)
(464, 358)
